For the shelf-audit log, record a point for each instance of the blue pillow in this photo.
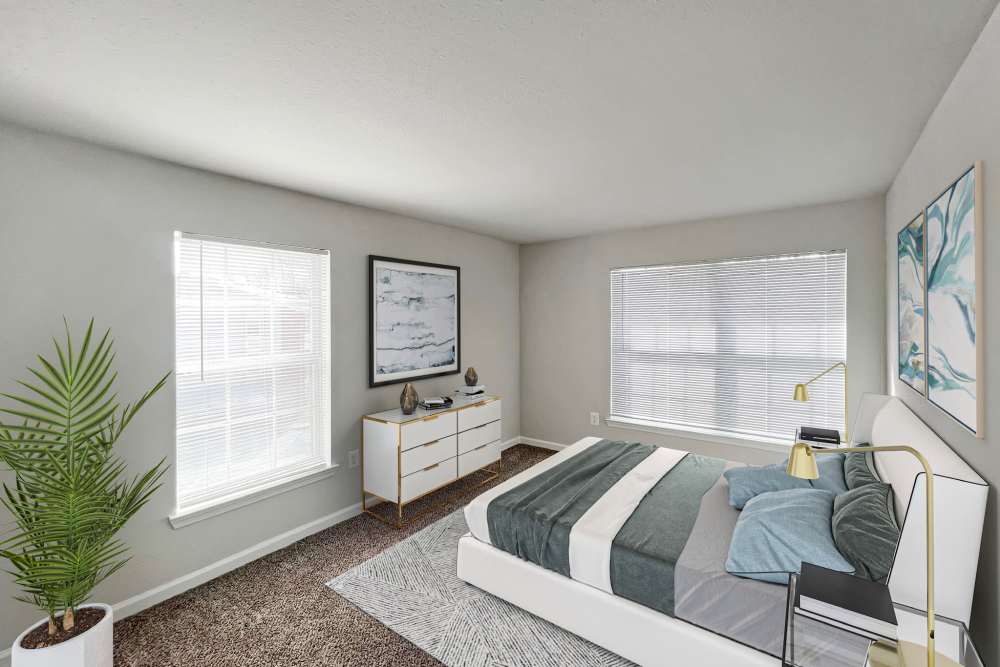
(778, 531)
(747, 482)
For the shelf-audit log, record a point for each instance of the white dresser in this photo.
(404, 457)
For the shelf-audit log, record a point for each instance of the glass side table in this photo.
(810, 642)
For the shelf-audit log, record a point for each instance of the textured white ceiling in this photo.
(524, 120)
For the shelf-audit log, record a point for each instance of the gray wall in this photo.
(565, 307)
(86, 232)
(962, 129)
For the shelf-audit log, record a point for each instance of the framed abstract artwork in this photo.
(954, 302)
(414, 320)
(911, 273)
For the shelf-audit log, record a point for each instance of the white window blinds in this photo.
(252, 367)
(720, 345)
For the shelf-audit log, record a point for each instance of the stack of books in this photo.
(857, 605)
(435, 402)
(818, 437)
(473, 390)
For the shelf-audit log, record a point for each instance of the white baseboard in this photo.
(544, 444)
(154, 596)
(534, 442)
(507, 444)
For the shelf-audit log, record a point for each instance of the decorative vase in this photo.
(408, 399)
(92, 648)
(471, 377)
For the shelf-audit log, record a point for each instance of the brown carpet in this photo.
(277, 611)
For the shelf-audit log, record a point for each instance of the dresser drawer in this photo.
(480, 435)
(427, 479)
(427, 454)
(478, 415)
(427, 429)
(477, 458)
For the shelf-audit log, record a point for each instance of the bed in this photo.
(654, 588)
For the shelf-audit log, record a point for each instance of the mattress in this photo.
(660, 542)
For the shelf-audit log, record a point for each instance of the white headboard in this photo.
(959, 507)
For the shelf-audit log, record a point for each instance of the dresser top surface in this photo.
(396, 416)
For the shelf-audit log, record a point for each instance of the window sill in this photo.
(207, 510)
(703, 434)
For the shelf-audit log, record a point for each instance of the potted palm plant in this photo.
(69, 498)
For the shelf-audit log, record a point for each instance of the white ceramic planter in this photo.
(93, 648)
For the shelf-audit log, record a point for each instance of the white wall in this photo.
(565, 348)
(86, 231)
(964, 128)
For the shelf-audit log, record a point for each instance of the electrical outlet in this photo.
(595, 418)
(352, 458)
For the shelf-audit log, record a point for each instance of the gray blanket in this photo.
(533, 521)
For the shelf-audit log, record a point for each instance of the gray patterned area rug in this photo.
(412, 588)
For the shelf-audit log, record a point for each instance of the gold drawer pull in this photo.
(429, 418)
(430, 467)
(432, 442)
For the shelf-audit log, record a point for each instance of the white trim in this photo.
(544, 444)
(142, 601)
(732, 260)
(207, 510)
(507, 444)
(250, 242)
(702, 434)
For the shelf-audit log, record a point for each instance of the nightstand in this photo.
(810, 642)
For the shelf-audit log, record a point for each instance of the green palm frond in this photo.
(71, 494)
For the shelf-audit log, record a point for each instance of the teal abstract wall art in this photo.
(954, 300)
(911, 271)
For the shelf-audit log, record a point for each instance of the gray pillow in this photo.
(778, 531)
(865, 529)
(859, 469)
(747, 482)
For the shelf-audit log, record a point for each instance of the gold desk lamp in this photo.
(802, 394)
(802, 464)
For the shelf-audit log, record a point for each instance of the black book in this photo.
(435, 402)
(859, 605)
(824, 435)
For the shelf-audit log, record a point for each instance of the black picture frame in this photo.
(373, 381)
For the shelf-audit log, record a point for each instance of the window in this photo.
(719, 346)
(252, 327)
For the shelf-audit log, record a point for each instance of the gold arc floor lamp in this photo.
(802, 394)
(802, 464)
